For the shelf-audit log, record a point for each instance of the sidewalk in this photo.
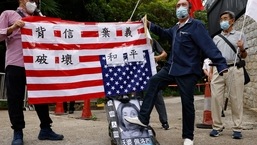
(88, 132)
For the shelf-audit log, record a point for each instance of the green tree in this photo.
(119, 10)
(159, 12)
(202, 15)
(50, 8)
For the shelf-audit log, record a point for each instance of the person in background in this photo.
(188, 38)
(10, 24)
(233, 81)
(71, 107)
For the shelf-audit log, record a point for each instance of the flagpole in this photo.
(134, 10)
(242, 27)
(240, 37)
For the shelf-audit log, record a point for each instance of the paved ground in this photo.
(88, 132)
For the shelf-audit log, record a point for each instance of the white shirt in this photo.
(206, 63)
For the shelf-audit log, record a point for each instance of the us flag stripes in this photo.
(66, 60)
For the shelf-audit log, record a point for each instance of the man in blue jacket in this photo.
(188, 38)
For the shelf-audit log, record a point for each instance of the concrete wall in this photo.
(250, 30)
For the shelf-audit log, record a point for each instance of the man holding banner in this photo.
(188, 38)
(10, 24)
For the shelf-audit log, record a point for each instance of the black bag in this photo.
(241, 63)
(247, 77)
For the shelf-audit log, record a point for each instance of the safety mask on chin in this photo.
(31, 7)
(182, 12)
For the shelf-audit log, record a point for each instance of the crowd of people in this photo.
(188, 38)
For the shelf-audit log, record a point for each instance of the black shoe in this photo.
(165, 126)
(71, 112)
(49, 134)
(17, 138)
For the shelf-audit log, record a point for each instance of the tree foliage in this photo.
(50, 7)
(159, 12)
(202, 15)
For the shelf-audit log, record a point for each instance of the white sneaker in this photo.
(134, 120)
(188, 141)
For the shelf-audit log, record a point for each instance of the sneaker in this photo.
(134, 120)
(237, 135)
(49, 134)
(17, 138)
(188, 141)
(165, 126)
(215, 133)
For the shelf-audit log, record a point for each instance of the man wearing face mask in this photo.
(234, 82)
(188, 38)
(10, 24)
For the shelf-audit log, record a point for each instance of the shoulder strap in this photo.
(229, 43)
(20, 13)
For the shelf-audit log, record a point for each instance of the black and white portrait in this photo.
(129, 130)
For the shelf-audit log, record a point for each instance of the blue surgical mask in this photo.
(224, 25)
(182, 12)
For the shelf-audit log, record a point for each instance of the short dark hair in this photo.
(230, 13)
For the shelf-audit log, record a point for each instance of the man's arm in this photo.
(160, 57)
(18, 24)
(206, 44)
(162, 33)
(161, 52)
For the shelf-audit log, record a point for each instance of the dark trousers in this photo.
(186, 86)
(159, 105)
(161, 108)
(15, 80)
(71, 106)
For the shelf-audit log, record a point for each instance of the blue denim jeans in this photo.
(186, 85)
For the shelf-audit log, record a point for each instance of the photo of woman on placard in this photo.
(129, 130)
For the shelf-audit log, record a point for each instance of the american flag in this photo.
(66, 60)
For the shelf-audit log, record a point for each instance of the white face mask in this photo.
(31, 7)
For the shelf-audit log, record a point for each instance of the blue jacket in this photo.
(187, 43)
